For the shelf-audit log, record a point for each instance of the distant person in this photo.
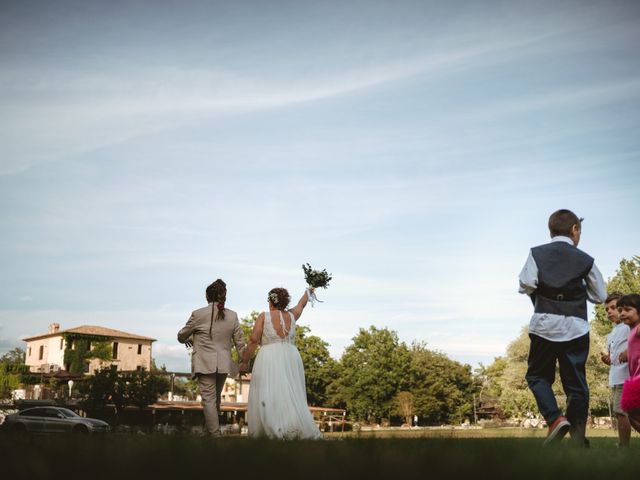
(618, 370)
(210, 331)
(560, 279)
(278, 396)
(629, 308)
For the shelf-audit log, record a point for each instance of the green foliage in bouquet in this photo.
(316, 278)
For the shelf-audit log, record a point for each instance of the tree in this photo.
(12, 368)
(508, 378)
(122, 388)
(442, 388)
(186, 387)
(16, 356)
(143, 388)
(626, 280)
(378, 375)
(103, 387)
(505, 379)
(153, 368)
(319, 367)
(403, 405)
(9, 380)
(372, 370)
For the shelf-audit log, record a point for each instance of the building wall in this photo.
(127, 358)
(236, 391)
(52, 354)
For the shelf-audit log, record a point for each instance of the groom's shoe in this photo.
(557, 430)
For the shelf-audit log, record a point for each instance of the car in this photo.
(52, 420)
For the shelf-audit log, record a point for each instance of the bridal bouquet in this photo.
(315, 279)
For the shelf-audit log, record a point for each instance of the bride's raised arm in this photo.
(254, 341)
(297, 310)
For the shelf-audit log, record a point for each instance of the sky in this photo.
(414, 149)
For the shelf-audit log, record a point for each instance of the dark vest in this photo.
(562, 273)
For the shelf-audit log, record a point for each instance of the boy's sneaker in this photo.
(557, 430)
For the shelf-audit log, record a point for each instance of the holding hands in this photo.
(244, 368)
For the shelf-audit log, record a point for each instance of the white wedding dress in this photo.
(277, 396)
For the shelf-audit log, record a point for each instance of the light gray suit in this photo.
(211, 358)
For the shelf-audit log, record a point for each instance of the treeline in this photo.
(380, 379)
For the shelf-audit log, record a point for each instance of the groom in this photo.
(210, 331)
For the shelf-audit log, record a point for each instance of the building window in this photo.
(139, 349)
(41, 353)
(61, 343)
(29, 351)
(114, 354)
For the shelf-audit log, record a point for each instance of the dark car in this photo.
(52, 420)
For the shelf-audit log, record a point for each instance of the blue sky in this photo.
(414, 149)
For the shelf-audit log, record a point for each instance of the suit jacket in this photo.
(213, 353)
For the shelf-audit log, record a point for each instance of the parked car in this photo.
(52, 420)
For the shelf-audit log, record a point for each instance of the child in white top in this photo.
(618, 371)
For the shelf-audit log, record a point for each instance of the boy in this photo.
(619, 372)
(560, 279)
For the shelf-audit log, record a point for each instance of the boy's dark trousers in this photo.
(571, 357)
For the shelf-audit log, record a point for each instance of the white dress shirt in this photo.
(616, 344)
(553, 327)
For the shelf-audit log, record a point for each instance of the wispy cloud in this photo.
(79, 111)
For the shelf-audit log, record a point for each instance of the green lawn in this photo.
(118, 456)
(449, 432)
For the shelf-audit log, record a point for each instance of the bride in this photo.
(277, 398)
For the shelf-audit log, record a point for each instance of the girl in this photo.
(628, 307)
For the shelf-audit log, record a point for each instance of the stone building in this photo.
(45, 353)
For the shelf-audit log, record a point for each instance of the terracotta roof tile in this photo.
(93, 330)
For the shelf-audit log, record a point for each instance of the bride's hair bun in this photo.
(279, 298)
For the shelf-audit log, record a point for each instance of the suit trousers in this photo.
(211, 385)
(571, 357)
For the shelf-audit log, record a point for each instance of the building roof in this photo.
(92, 330)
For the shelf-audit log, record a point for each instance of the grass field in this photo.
(451, 432)
(410, 456)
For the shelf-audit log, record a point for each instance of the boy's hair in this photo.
(631, 300)
(613, 296)
(561, 222)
